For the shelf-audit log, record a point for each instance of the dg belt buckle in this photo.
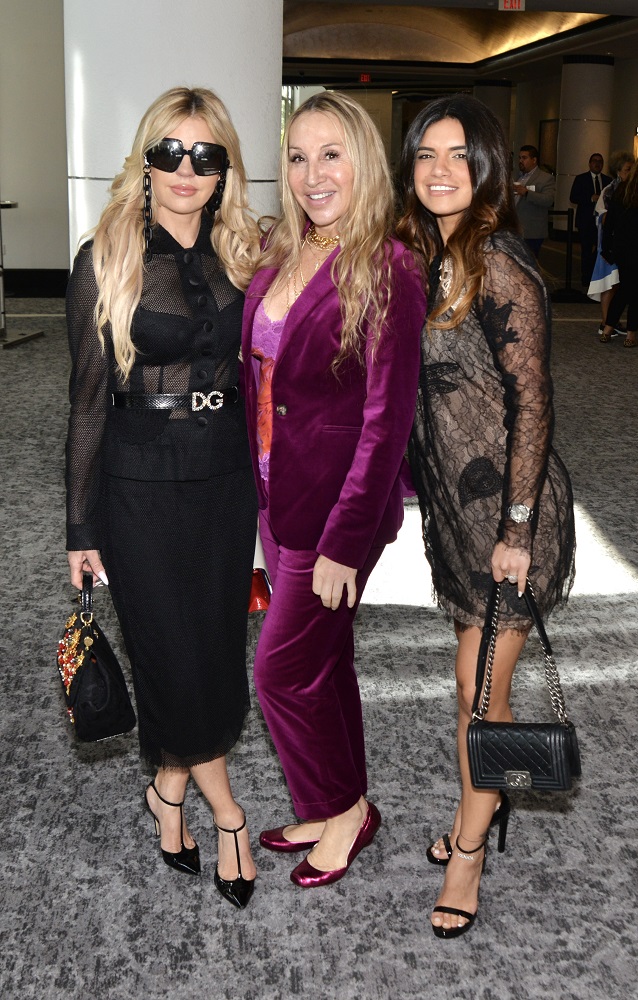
(200, 400)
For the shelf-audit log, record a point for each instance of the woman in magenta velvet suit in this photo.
(331, 354)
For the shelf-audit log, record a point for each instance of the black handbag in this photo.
(506, 755)
(97, 699)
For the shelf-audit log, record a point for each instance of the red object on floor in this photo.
(259, 591)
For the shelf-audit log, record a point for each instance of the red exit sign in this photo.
(511, 4)
(365, 78)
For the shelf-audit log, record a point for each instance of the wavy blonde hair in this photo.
(361, 270)
(118, 239)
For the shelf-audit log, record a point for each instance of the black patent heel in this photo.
(187, 859)
(452, 932)
(238, 890)
(502, 817)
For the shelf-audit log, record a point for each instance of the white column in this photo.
(624, 117)
(120, 56)
(585, 119)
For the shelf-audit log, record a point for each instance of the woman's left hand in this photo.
(328, 580)
(510, 563)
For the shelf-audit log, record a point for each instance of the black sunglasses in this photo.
(206, 157)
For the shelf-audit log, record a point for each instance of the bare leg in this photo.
(212, 779)
(337, 837)
(605, 299)
(438, 848)
(171, 785)
(462, 876)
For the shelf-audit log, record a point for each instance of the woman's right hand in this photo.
(88, 561)
(329, 579)
(509, 562)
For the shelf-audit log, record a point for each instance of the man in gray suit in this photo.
(534, 194)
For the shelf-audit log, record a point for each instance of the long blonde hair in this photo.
(118, 240)
(361, 271)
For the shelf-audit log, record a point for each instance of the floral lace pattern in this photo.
(482, 441)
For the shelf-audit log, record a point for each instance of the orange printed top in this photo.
(266, 337)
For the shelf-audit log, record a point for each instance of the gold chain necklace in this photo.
(304, 283)
(292, 277)
(314, 242)
(322, 242)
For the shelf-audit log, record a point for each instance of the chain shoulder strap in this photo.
(485, 664)
(147, 210)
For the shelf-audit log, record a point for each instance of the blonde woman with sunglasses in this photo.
(160, 496)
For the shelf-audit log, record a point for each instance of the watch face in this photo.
(519, 512)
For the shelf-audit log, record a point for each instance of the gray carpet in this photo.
(90, 912)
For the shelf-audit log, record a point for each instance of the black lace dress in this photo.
(482, 441)
(168, 497)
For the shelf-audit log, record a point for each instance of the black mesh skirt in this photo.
(179, 561)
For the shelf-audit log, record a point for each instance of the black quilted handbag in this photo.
(507, 755)
(97, 699)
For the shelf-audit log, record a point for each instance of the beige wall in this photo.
(378, 104)
(33, 168)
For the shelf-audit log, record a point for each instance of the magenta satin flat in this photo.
(274, 840)
(309, 878)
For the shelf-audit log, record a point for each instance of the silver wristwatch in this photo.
(519, 513)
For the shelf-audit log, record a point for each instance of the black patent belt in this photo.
(170, 401)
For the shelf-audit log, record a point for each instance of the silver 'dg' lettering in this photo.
(199, 400)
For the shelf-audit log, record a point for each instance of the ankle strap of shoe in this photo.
(237, 829)
(177, 805)
(469, 855)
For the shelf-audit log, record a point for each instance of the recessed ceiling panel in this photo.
(319, 30)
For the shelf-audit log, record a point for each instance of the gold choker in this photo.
(321, 242)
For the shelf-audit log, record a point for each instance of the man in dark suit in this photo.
(584, 194)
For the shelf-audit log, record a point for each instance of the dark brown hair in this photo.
(491, 208)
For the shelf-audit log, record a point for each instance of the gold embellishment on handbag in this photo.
(70, 654)
(97, 700)
(69, 659)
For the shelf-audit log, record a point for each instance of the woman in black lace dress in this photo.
(495, 498)
(160, 496)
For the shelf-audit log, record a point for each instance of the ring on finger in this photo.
(512, 578)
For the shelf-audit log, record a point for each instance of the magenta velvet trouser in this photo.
(307, 685)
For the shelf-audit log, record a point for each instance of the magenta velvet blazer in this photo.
(337, 469)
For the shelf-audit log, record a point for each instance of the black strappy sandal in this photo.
(452, 932)
(433, 858)
(187, 859)
(238, 890)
